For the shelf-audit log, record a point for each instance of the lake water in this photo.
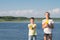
(19, 31)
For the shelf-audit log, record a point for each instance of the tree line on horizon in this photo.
(11, 18)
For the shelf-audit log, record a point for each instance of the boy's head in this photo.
(32, 20)
(47, 14)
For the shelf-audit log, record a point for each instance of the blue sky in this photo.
(29, 8)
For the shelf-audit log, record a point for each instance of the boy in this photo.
(32, 29)
(47, 25)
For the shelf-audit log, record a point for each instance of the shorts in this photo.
(48, 36)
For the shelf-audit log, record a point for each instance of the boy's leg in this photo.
(34, 37)
(50, 36)
(30, 38)
(45, 36)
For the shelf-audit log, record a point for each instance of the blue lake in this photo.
(19, 31)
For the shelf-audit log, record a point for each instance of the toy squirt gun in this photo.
(32, 27)
(47, 22)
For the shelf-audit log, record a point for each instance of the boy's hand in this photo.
(51, 26)
(45, 25)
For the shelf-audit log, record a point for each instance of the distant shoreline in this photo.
(22, 19)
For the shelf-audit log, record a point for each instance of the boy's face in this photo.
(47, 15)
(31, 20)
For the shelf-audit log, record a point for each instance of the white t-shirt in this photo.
(32, 32)
(48, 30)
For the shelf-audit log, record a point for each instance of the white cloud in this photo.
(30, 13)
(16, 12)
(56, 10)
(24, 13)
(49, 11)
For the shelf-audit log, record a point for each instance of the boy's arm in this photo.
(52, 24)
(44, 25)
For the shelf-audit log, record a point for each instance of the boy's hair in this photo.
(32, 18)
(48, 13)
